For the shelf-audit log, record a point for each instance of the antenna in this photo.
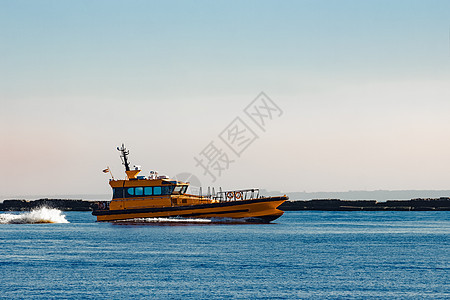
(124, 152)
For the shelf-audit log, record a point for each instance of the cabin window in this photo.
(117, 193)
(148, 191)
(130, 191)
(167, 190)
(157, 190)
(139, 191)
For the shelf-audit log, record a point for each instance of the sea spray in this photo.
(35, 216)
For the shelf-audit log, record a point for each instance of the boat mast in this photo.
(124, 152)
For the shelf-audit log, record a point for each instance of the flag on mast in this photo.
(107, 170)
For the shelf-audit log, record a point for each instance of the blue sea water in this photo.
(303, 255)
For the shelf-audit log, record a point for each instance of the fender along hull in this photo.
(260, 210)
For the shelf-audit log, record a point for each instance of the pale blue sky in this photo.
(364, 86)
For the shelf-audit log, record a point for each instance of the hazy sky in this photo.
(363, 86)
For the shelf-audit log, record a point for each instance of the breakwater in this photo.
(420, 204)
(428, 204)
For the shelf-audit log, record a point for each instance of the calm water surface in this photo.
(305, 255)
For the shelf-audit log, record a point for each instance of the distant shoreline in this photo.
(429, 204)
(420, 204)
(378, 195)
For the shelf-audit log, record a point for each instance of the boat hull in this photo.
(263, 210)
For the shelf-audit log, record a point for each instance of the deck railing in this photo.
(237, 195)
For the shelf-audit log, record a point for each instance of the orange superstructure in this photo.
(158, 196)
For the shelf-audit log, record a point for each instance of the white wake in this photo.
(38, 215)
(180, 220)
(164, 220)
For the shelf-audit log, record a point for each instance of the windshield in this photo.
(180, 189)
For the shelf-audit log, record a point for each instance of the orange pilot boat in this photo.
(160, 197)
